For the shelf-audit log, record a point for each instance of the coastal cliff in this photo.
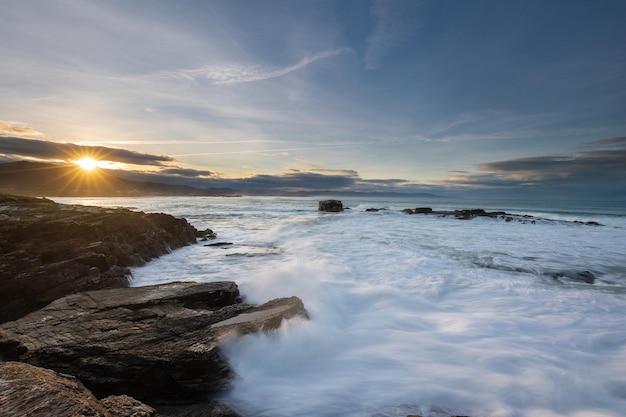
(49, 250)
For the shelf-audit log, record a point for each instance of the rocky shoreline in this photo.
(49, 250)
(75, 340)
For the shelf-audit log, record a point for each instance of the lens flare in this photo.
(88, 164)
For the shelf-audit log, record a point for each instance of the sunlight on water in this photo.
(416, 314)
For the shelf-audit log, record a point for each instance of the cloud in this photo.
(236, 74)
(42, 149)
(191, 173)
(601, 166)
(618, 142)
(395, 23)
(16, 128)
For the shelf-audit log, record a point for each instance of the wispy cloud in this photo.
(8, 128)
(263, 151)
(236, 74)
(395, 23)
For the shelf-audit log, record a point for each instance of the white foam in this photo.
(417, 314)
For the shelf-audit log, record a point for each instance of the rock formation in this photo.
(159, 344)
(49, 250)
(27, 390)
(333, 206)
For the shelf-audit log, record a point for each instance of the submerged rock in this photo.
(333, 206)
(27, 390)
(50, 250)
(576, 276)
(159, 344)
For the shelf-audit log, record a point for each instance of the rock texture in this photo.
(333, 206)
(49, 250)
(159, 344)
(27, 390)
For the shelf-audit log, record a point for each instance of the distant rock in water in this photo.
(333, 206)
(468, 214)
(159, 344)
(49, 250)
(418, 210)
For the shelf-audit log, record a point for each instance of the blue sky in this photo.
(443, 96)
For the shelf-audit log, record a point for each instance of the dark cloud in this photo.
(293, 181)
(298, 181)
(191, 173)
(600, 167)
(46, 150)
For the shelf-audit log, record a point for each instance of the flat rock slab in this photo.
(49, 250)
(159, 344)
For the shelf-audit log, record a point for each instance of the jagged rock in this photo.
(27, 390)
(159, 344)
(206, 234)
(49, 250)
(333, 206)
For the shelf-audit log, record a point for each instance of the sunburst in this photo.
(87, 164)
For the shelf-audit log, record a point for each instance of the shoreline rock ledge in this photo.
(159, 344)
(49, 250)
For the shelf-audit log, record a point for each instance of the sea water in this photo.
(415, 314)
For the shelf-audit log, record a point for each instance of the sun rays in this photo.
(88, 164)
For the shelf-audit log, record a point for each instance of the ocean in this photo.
(415, 314)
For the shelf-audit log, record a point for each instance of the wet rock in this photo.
(27, 390)
(217, 244)
(333, 206)
(49, 250)
(418, 210)
(469, 214)
(374, 210)
(206, 234)
(159, 344)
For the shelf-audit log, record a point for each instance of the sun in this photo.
(87, 164)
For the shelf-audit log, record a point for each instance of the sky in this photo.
(450, 97)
